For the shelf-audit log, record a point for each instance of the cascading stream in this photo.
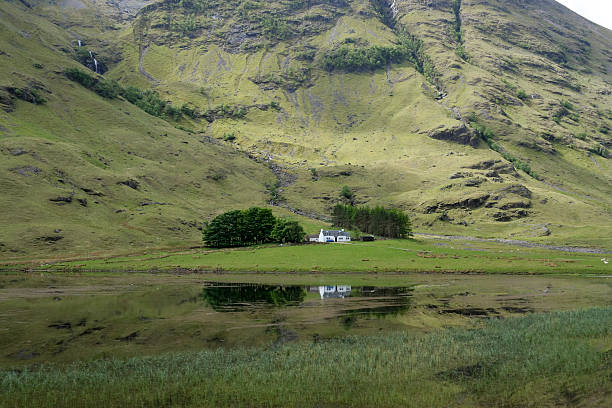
(95, 61)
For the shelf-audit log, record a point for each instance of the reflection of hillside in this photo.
(232, 296)
(379, 311)
(373, 291)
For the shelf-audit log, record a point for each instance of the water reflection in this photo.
(278, 313)
(236, 296)
(360, 301)
(329, 292)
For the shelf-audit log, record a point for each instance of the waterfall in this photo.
(394, 7)
(80, 43)
(95, 61)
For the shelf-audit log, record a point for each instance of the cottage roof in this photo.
(336, 233)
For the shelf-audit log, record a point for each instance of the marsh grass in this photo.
(537, 360)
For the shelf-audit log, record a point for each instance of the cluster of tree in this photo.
(27, 94)
(457, 31)
(186, 25)
(350, 57)
(250, 227)
(147, 100)
(390, 223)
(150, 102)
(275, 28)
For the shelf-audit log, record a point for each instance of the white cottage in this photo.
(334, 236)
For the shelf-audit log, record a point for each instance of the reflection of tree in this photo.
(219, 297)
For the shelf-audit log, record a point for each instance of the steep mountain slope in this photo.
(81, 173)
(487, 118)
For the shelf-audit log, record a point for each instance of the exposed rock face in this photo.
(92, 192)
(474, 182)
(503, 216)
(470, 203)
(460, 174)
(61, 200)
(18, 151)
(496, 166)
(540, 145)
(511, 197)
(458, 134)
(51, 239)
(484, 165)
(131, 183)
(7, 101)
(27, 171)
(517, 189)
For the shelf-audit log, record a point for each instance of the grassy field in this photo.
(557, 359)
(368, 130)
(372, 257)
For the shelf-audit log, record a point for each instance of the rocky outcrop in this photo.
(458, 134)
(460, 174)
(468, 203)
(474, 182)
(62, 200)
(131, 183)
(7, 101)
(505, 216)
(517, 189)
(496, 166)
(27, 171)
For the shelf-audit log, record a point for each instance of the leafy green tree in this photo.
(274, 27)
(288, 231)
(225, 230)
(108, 88)
(391, 223)
(346, 192)
(240, 228)
(83, 78)
(343, 216)
(258, 225)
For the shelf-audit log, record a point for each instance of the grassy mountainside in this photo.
(487, 118)
(82, 173)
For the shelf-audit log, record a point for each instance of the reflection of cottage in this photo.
(334, 236)
(329, 292)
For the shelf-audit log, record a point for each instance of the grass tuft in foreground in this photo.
(542, 359)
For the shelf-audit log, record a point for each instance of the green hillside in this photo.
(478, 118)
